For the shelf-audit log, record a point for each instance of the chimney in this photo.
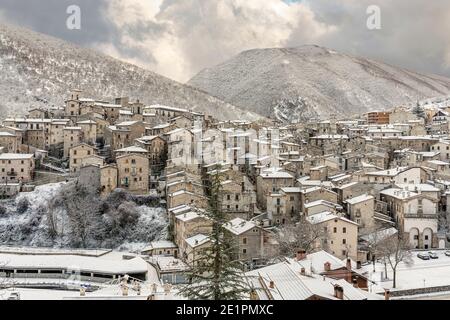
(272, 285)
(301, 255)
(303, 272)
(254, 295)
(349, 264)
(339, 292)
(358, 265)
(355, 282)
(387, 294)
(125, 291)
(167, 288)
(327, 266)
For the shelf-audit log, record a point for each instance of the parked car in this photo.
(14, 296)
(423, 256)
(433, 255)
(447, 253)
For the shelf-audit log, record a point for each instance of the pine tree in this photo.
(215, 275)
(418, 111)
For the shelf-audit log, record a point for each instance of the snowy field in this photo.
(423, 273)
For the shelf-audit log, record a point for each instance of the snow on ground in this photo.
(423, 273)
(39, 294)
(30, 228)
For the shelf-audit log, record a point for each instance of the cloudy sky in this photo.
(178, 38)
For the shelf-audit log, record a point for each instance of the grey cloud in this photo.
(49, 17)
(178, 38)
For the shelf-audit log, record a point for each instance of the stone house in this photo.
(340, 234)
(102, 178)
(16, 167)
(271, 181)
(77, 154)
(361, 209)
(251, 242)
(73, 136)
(133, 173)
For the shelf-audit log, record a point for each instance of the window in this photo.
(426, 237)
(228, 197)
(244, 251)
(334, 230)
(244, 241)
(344, 241)
(344, 230)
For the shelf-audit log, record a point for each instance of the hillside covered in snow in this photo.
(63, 216)
(38, 70)
(296, 84)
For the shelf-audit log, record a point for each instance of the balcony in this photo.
(12, 174)
(420, 216)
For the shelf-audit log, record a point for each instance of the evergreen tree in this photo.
(215, 274)
(418, 111)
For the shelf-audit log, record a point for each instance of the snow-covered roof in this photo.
(321, 202)
(69, 262)
(132, 149)
(348, 185)
(398, 193)
(275, 173)
(162, 244)
(188, 216)
(326, 216)
(197, 240)
(86, 122)
(15, 156)
(388, 173)
(289, 284)
(359, 199)
(168, 264)
(239, 226)
(126, 123)
(290, 190)
(422, 187)
(331, 137)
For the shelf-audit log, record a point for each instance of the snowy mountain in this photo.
(38, 70)
(295, 84)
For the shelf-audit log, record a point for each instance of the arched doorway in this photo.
(414, 238)
(427, 238)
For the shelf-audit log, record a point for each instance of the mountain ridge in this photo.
(322, 80)
(40, 70)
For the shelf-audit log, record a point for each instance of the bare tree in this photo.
(302, 235)
(396, 249)
(52, 218)
(373, 240)
(82, 206)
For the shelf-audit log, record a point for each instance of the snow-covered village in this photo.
(282, 173)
